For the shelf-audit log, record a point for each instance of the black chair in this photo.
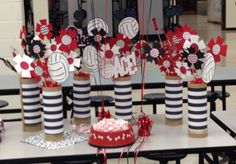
(164, 158)
(219, 95)
(154, 99)
(3, 103)
(96, 101)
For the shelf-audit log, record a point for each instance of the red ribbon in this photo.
(103, 114)
(144, 125)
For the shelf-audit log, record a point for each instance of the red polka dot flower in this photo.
(23, 65)
(217, 48)
(40, 71)
(73, 61)
(44, 29)
(67, 40)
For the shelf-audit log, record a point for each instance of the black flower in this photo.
(36, 49)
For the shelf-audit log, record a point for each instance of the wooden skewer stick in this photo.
(154, 21)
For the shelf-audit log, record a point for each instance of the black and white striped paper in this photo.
(173, 99)
(81, 98)
(31, 103)
(197, 108)
(123, 99)
(53, 111)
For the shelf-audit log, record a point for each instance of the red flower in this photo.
(217, 48)
(44, 29)
(40, 71)
(185, 32)
(68, 40)
(138, 49)
(174, 39)
(122, 42)
(167, 65)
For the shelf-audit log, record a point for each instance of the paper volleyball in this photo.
(58, 67)
(90, 58)
(97, 23)
(129, 27)
(208, 69)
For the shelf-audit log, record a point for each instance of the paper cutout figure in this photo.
(68, 40)
(90, 58)
(36, 49)
(208, 69)
(44, 29)
(217, 48)
(126, 65)
(73, 61)
(23, 65)
(98, 24)
(129, 27)
(58, 67)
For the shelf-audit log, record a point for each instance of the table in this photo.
(163, 139)
(226, 120)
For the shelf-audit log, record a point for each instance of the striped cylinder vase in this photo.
(173, 100)
(53, 114)
(81, 100)
(197, 110)
(31, 105)
(123, 98)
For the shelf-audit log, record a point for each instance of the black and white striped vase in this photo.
(81, 100)
(123, 98)
(173, 100)
(31, 105)
(53, 113)
(197, 110)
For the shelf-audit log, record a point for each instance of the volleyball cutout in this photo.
(90, 58)
(97, 23)
(208, 68)
(58, 67)
(129, 27)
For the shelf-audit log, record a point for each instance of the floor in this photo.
(206, 31)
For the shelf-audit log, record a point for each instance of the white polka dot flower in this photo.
(23, 65)
(109, 52)
(194, 42)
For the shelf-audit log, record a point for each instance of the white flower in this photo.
(183, 70)
(108, 52)
(52, 47)
(73, 61)
(23, 65)
(194, 42)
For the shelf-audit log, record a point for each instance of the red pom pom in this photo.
(144, 125)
